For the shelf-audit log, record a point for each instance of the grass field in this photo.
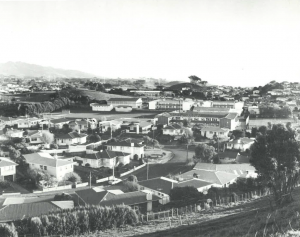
(97, 95)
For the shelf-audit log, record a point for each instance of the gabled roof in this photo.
(106, 154)
(232, 115)
(124, 99)
(214, 129)
(33, 133)
(159, 184)
(131, 198)
(92, 196)
(6, 162)
(61, 120)
(46, 159)
(71, 135)
(173, 126)
(20, 211)
(216, 177)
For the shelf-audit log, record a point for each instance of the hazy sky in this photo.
(241, 43)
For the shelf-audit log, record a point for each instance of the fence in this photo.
(134, 169)
(180, 215)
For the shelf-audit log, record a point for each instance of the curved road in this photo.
(174, 166)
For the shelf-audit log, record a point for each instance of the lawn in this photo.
(98, 95)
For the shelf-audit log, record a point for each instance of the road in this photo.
(174, 166)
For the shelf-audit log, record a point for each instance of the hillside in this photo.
(250, 219)
(97, 95)
(172, 83)
(20, 69)
(194, 87)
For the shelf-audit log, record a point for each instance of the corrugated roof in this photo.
(231, 115)
(92, 196)
(158, 184)
(20, 211)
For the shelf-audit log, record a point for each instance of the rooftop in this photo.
(46, 159)
(6, 162)
(124, 99)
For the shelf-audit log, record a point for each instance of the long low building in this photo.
(135, 103)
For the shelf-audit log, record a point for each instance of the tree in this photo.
(186, 123)
(276, 156)
(194, 79)
(131, 186)
(238, 134)
(204, 153)
(48, 138)
(184, 193)
(263, 130)
(132, 178)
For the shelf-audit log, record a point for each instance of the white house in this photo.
(241, 144)
(114, 125)
(105, 158)
(143, 127)
(28, 122)
(135, 103)
(101, 107)
(173, 130)
(7, 169)
(55, 167)
(211, 131)
(81, 125)
(58, 123)
(70, 138)
(35, 137)
(127, 147)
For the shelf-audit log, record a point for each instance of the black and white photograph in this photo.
(149, 118)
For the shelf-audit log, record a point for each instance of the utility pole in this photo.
(90, 179)
(147, 167)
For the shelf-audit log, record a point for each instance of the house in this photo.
(35, 137)
(143, 127)
(162, 186)
(70, 138)
(107, 125)
(228, 104)
(241, 144)
(58, 123)
(13, 133)
(144, 201)
(211, 131)
(105, 158)
(123, 108)
(28, 122)
(242, 170)
(215, 178)
(135, 103)
(81, 125)
(173, 104)
(14, 212)
(173, 130)
(54, 166)
(101, 107)
(7, 169)
(134, 149)
(163, 118)
(230, 121)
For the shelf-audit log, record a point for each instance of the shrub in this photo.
(135, 157)
(87, 165)
(37, 226)
(4, 184)
(72, 177)
(7, 230)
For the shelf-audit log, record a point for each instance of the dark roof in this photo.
(91, 196)
(131, 198)
(193, 182)
(158, 184)
(71, 135)
(60, 120)
(228, 154)
(173, 126)
(106, 154)
(123, 99)
(19, 211)
(231, 115)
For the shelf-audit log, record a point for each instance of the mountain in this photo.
(20, 69)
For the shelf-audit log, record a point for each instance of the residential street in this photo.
(174, 166)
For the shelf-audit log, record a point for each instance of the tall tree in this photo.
(276, 156)
(204, 153)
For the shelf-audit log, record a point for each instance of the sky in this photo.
(224, 42)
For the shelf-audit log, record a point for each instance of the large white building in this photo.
(55, 167)
(101, 107)
(127, 147)
(135, 103)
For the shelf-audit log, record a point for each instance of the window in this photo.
(45, 167)
(33, 139)
(211, 132)
(41, 166)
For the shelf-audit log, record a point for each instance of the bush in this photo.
(76, 221)
(72, 177)
(63, 197)
(135, 157)
(87, 165)
(4, 184)
(7, 230)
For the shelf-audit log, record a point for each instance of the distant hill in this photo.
(172, 83)
(194, 87)
(20, 69)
